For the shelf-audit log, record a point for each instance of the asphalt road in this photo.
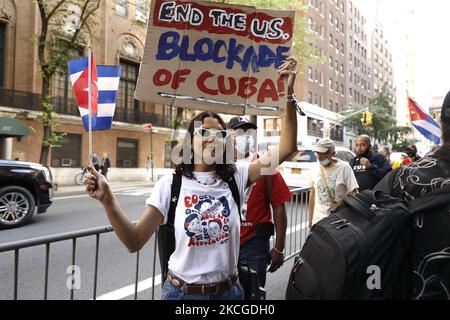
(116, 267)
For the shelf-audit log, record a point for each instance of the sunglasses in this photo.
(208, 133)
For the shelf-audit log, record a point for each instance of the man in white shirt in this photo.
(330, 181)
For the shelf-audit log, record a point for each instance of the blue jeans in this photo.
(170, 292)
(256, 254)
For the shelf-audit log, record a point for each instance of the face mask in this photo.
(325, 163)
(411, 154)
(244, 144)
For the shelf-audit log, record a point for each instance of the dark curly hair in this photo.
(224, 171)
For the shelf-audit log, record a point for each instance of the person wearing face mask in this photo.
(369, 167)
(330, 181)
(268, 191)
(411, 151)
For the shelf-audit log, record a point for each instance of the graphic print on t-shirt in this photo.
(207, 220)
(322, 191)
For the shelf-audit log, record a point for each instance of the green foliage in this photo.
(56, 45)
(302, 49)
(384, 128)
(49, 120)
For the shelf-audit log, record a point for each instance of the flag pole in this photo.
(90, 103)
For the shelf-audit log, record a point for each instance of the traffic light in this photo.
(364, 118)
(369, 118)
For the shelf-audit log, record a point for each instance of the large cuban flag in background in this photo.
(104, 86)
(424, 123)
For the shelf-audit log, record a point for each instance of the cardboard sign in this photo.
(216, 57)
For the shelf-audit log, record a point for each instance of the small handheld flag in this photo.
(104, 87)
(424, 123)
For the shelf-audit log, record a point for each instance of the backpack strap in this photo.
(174, 195)
(433, 199)
(235, 192)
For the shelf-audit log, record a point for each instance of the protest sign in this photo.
(216, 57)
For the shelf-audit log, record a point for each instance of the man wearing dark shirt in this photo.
(369, 167)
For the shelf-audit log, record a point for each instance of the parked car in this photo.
(25, 188)
(296, 171)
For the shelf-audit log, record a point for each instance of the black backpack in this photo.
(166, 232)
(369, 236)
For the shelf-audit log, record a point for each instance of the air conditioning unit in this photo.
(66, 162)
(140, 16)
(127, 163)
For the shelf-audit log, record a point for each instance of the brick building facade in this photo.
(118, 39)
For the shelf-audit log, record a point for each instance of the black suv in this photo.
(25, 187)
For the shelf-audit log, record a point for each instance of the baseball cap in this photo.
(412, 148)
(239, 122)
(445, 112)
(325, 145)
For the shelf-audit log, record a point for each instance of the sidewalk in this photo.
(116, 186)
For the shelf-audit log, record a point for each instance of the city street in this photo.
(116, 269)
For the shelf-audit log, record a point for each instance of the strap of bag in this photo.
(268, 188)
(174, 195)
(433, 199)
(327, 188)
(360, 206)
(235, 192)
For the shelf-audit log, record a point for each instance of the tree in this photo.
(384, 129)
(64, 29)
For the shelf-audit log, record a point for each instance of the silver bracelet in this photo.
(280, 252)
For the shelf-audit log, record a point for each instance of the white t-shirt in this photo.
(207, 225)
(341, 181)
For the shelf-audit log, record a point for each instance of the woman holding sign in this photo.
(207, 215)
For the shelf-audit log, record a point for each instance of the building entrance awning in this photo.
(10, 127)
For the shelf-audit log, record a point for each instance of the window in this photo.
(141, 11)
(314, 129)
(2, 53)
(272, 127)
(127, 86)
(330, 84)
(311, 24)
(331, 40)
(69, 154)
(62, 91)
(310, 73)
(122, 8)
(342, 89)
(127, 151)
(310, 97)
(331, 18)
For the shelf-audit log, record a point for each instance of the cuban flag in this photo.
(424, 123)
(104, 87)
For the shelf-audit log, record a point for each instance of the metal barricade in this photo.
(297, 212)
